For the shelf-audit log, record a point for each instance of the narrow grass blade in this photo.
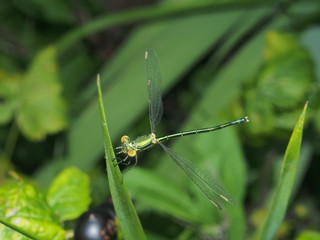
(285, 185)
(128, 220)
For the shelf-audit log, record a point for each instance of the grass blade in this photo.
(125, 211)
(286, 182)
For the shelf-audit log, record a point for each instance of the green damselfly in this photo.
(209, 186)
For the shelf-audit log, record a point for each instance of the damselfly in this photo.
(209, 186)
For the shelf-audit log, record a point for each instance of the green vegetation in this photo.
(219, 61)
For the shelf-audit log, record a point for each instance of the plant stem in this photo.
(147, 13)
(11, 142)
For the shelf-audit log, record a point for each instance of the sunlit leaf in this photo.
(69, 194)
(42, 109)
(9, 234)
(284, 82)
(24, 207)
(308, 235)
(288, 72)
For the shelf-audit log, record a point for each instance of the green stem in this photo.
(147, 13)
(11, 141)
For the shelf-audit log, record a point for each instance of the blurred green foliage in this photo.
(41, 215)
(33, 100)
(219, 60)
(281, 86)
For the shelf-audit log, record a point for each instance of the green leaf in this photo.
(10, 231)
(25, 208)
(308, 235)
(69, 194)
(181, 33)
(128, 219)
(217, 152)
(42, 109)
(153, 191)
(288, 73)
(281, 197)
(284, 82)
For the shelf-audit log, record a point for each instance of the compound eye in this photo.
(131, 153)
(124, 138)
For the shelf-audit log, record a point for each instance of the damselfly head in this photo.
(128, 147)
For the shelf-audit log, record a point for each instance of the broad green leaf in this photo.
(156, 193)
(283, 190)
(216, 98)
(9, 92)
(130, 84)
(27, 209)
(221, 155)
(10, 231)
(128, 219)
(42, 109)
(180, 33)
(69, 194)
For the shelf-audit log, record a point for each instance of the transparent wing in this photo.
(154, 88)
(209, 186)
